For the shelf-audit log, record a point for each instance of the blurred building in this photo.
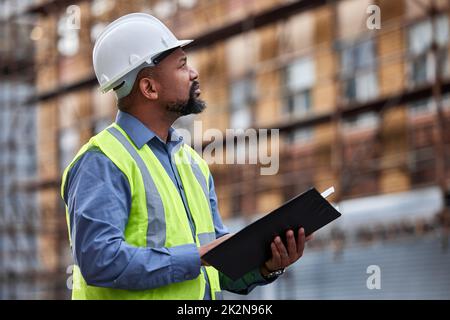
(361, 105)
(19, 210)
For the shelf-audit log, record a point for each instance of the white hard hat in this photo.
(128, 45)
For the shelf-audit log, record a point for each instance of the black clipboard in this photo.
(250, 248)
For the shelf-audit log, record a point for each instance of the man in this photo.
(141, 205)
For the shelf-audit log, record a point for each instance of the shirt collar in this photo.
(140, 134)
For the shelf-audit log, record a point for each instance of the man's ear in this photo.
(148, 88)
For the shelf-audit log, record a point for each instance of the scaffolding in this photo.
(19, 212)
(34, 254)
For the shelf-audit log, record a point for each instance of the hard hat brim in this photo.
(112, 83)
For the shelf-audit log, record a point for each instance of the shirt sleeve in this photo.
(249, 281)
(98, 197)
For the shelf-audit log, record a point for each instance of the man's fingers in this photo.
(283, 252)
(282, 257)
(292, 246)
(276, 257)
(301, 242)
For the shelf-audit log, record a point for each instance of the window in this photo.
(446, 101)
(187, 4)
(299, 79)
(241, 97)
(421, 61)
(301, 135)
(363, 121)
(421, 107)
(358, 72)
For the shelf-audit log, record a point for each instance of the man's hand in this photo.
(283, 257)
(204, 249)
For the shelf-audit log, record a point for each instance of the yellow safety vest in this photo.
(157, 216)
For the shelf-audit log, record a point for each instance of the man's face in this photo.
(179, 89)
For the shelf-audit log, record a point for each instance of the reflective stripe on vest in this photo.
(156, 229)
(157, 216)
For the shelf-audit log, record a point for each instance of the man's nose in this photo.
(193, 74)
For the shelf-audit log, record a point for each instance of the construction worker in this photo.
(141, 205)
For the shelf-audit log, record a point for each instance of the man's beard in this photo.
(192, 106)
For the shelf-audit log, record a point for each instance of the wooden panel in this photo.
(324, 134)
(238, 9)
(324, 179)
(323, 31)
(48, 241)
(241, 54)
(263, 5)
(297, 33)
(324, 92)
(46, 50)
(47, 140)
(324, 98)
(392, 70)
(392, 9)
(268, 201)
(392, 78)
(214, 85)
(76, 69)
(207, 15)
(352, 18)
(224, 201)
(104, 105)
(46, 78)
(46, 55)
(75, 109)
(268, 106)
(394, 176)
(325, 63)
(267, 40)
(394, 180)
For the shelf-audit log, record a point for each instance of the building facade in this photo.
(358, 90)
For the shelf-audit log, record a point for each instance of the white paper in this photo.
(327, 192)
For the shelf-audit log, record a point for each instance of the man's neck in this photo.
(157, 121)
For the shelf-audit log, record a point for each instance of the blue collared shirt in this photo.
(98, 197)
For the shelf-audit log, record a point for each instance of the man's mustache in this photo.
(194, 87)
